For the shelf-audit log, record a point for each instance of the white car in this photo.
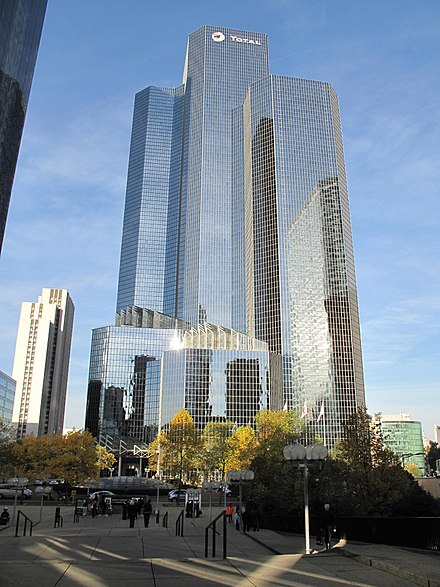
(9, 491)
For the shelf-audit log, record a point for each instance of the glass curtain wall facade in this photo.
(237, 216)
(7, 395)
(21, 23)
(296, 241)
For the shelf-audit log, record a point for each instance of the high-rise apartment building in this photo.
(21, 22)
(236, 218)
(41, 363)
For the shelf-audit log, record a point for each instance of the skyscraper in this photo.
(21, 22)
(41, 363)
(236, 217)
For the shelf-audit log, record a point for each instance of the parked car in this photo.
(172, 495)
(9, 491)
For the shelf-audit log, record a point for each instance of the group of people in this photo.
(131, 509)
(249, 516)
(99, 508)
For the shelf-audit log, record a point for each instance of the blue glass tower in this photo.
(21, 23)
(237, 218)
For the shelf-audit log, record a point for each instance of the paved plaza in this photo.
(105, 552)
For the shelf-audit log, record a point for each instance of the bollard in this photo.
(57, 517)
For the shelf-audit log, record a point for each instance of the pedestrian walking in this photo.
(102, 507)
(147, 510)
(229, 512)
(246, 517)
(327, 527)
(132, 512)
(236, 518)
(94, 506)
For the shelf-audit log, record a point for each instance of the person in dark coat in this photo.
(327, 525)
(95, 506)
(124, 509)
(132, 512)
(4, 517)
(147, 510)
(246, 517)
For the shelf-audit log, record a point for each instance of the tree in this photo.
(364, 478)
(73, 457)
(432, 456)
(105, 460)
(277, 429)
(413, 469)
(179, 447)
(215, 448)
(7, 440)
(275, 486)
(242, 447)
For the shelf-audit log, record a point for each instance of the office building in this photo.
(237, 218)
(403, 436)
(41, 363)
(7, 394)
(21, 22)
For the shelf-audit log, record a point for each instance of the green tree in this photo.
(432, 455)
(364, 478)
(215, 448)
(274, 482)
(7, 441)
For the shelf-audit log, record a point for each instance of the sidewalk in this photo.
(105, 552)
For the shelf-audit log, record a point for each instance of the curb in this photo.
(390, 569)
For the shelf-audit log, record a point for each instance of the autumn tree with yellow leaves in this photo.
(73, 457)
(178, 448)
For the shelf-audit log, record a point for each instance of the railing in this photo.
(165, 520)
(212, 526)
(26, 520)
(179, 523)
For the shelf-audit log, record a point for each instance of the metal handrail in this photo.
(165, 520)
(179, 523)
(26, 520)
(212, 526)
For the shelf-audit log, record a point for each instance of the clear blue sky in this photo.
(382, 58)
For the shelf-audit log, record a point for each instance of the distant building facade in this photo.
(404, 437)
(7, 394)
(237, 218)
(140, 376)
(21, 22)
(41, 363)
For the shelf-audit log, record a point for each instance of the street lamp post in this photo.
(303, 457)
(240, 477)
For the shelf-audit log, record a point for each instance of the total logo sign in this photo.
(218, 37)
